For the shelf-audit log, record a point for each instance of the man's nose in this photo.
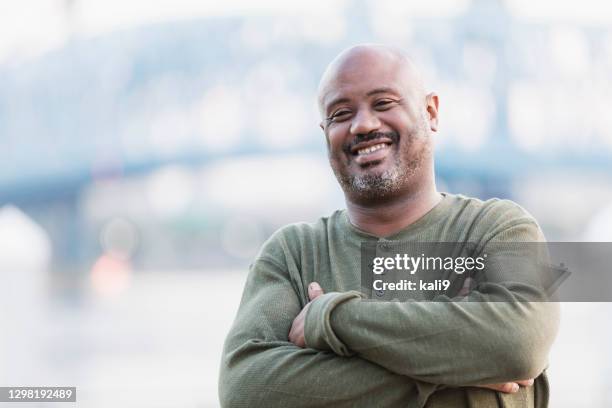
(364, 122)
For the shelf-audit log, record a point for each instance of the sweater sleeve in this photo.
(261, 368)
(500, 338)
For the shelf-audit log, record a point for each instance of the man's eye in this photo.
(383, 104)
(340, 115)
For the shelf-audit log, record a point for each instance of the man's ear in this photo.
(432, 110)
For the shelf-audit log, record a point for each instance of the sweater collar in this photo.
(427, 220)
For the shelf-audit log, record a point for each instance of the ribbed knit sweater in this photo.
(384, 354)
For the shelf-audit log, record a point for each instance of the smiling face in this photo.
(377, 121)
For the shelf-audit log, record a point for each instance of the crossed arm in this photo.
(261, 368)
(502, 335)
(297, 336)
(396, 361)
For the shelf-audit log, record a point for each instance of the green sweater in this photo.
(383, 354)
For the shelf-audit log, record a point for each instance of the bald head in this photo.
(369, 61)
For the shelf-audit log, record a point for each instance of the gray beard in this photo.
(372, 186)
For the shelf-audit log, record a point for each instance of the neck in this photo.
(385, 219)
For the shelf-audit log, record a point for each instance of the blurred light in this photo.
(397, 22)
(427, 64)
(280, 116)
(570, 51)
(466, 115)
(390, 23)
(271, 77)
(111, 198)
(170, 190)
(270, 184)
(479, 63)
(557, 199)
(25, 255)
(119, 238)
(311, 26)
(258, 34)
(599, 227)
(607, 51)
(323, 28)
(31, 27)
(96, 16)
(602, 120)
(558, 118)
(409, 9)
(171, 132)
(527, 103)
(283, 120)
(105, 166)
(241, 237)
(135, 137)
(585, 11)
(24, 245)
(157, 120)
(110, 275)
(220, 115)
(578, 348)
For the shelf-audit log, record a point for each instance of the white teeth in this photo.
(367, 150)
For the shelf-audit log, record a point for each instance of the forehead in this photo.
(360, 78)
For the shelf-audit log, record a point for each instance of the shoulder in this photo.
(489, 218)
(295, 238)
(493, 209)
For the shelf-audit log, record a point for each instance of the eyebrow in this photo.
(381, 90)
(370, 93)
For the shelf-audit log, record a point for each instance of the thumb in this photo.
(314, 290)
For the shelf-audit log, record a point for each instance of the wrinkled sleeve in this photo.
(261, 368)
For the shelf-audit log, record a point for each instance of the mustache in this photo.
(360, 138)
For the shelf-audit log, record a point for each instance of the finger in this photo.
(526, 383)
(314, 290)
(509, 387)
(296, 334)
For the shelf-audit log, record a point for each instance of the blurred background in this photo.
(148, 148)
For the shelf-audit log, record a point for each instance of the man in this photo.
(303, 337)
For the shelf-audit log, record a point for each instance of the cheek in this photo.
(335, 140)
(399, 121)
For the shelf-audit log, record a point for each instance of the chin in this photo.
(379, 184)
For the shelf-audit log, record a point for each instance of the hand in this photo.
(509, 387)
(296, 334)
